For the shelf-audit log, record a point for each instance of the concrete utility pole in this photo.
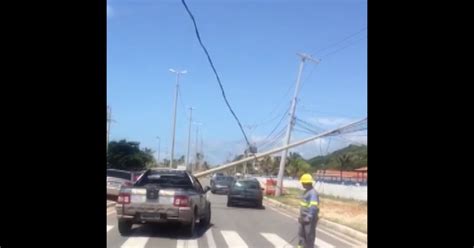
(174, 115)
(329, 133)
(189, 139)
(291, 123)
(109, 124)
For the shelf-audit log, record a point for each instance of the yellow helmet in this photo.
(306, 178)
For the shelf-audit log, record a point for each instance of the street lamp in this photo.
(174, 115)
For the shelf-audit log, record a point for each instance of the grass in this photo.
(346, 212)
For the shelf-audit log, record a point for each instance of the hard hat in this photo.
(306, 178)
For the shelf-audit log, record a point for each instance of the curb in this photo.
(326, 223)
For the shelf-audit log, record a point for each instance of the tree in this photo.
(297, 167)
(126, 155)
(345, 161)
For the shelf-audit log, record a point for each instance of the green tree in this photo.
(345, 161)
(126, 155)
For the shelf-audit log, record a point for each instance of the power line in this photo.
(278, 124)
(275, 137)
(340, 41)
(215, 72)
(342, 48)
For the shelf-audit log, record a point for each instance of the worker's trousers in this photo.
(307, 234)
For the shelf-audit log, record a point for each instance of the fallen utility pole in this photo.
(261, 155)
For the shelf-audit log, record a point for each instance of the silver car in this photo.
(163, 196)
(116, 179)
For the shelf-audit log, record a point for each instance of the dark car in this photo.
(247, 192)
(222, 184)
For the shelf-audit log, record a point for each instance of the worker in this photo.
(309, 211)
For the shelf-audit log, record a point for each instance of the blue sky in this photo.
(253, 45)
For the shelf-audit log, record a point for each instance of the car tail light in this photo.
(123, 198)
(181, 201)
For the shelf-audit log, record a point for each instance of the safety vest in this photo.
(309, 204)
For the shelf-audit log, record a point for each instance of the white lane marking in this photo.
(355, 242)
(109, 228)
(348, 238)
(135, 242)
(210, 239)
(335, 237)
(322, 244)
(187, 243)
(233, 239)
(276, 241)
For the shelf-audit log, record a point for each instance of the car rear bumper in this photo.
(161, 215)
(244, 200)
(113, 191)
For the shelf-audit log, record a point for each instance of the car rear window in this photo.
(167, 180)
(247, 185)
(224, 179)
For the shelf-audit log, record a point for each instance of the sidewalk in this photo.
(360, 236)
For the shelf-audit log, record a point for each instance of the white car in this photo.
(116, 179)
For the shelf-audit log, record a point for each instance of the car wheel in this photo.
(213, 191)
(229, 203)
(207, 219)
(260, 204)
(189, 229)
(124, 227)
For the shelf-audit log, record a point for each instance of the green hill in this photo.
(357, 154)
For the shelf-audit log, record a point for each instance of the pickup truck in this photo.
(164, 195)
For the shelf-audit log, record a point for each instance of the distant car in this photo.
(164, 195)
(215, 176)
(222, 184)
(218, 174)
(116, 179)
(247, 192)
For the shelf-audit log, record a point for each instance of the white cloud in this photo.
(332, 121)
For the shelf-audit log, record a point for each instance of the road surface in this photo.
(230, 227)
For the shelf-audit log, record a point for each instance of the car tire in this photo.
(229, 203)
(260, 204)
(124, 227)
(204, 222)
(190, 228)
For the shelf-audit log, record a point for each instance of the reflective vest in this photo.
(309, 204)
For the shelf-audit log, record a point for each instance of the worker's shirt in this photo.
(309, 204)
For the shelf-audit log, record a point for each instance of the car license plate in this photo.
(150, 216)
(138, 198)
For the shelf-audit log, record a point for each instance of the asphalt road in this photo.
(230, 227)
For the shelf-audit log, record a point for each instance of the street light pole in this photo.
(178, 73)
(291, 122)
(188, 168)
